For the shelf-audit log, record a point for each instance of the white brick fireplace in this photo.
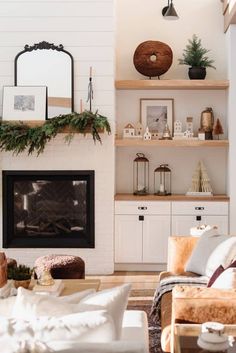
(86, 31)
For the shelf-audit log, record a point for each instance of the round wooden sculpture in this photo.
(153, 58)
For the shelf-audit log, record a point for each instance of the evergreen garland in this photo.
(18, 137)
(195, 54)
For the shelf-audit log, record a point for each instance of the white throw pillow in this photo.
(205, 246)
(29, 305)
(223, 255)
(76, 297)
(95, 326)
(226, 280)
(113, 300)
(6, 306)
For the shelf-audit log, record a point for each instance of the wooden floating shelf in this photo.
(65, 130)
(132, 142)
(172, 84)
(174, 197)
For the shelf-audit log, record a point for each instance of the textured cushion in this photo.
(205, 246)
(113, 300)
(198, 305)
(179, 251)
(95, 326)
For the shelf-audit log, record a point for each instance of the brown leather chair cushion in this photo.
(198, 305)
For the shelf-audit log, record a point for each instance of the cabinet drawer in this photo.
(200, 208)
(142, 207)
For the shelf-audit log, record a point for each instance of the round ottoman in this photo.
(61, 266)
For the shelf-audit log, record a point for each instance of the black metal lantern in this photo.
(162, 180)
(140, 175)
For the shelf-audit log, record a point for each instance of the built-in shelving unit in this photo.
(172, 84)
(174, 197)
(134, 142)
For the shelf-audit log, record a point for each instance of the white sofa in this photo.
(134, 339)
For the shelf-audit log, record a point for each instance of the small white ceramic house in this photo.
(177, 126)
(147, 136)
(129, 131)
(189, 123)
(188, 134)
(139, 129)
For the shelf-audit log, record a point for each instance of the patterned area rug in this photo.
(154, 330)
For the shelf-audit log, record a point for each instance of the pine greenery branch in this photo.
(19, 273)
(195, 55)
(19, 137)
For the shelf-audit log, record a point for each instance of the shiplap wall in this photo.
(86, 29)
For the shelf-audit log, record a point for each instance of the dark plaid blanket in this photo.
(166, 285)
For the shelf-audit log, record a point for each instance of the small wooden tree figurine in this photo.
(218, 129)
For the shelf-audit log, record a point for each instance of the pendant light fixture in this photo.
(169, 12)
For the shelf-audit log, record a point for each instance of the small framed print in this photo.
(24, 103)
(155, 113)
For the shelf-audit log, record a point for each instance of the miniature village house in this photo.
(129, 131)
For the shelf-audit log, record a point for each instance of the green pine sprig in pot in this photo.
(195, 56)
(21, 274)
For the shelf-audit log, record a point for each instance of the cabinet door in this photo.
(220, 221)
(156, 230)
(181, 224)
(128, 239)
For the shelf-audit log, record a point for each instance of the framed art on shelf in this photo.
(155, 113)
(24, 103)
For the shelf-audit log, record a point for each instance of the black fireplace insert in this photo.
(48, 209)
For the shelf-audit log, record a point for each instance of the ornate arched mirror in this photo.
(45, 64)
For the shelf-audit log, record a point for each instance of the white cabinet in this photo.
(128, 239)
(192, 214)
(141, 232)
(156, 230)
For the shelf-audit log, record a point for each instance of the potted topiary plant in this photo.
(194, 55)
(21, 275)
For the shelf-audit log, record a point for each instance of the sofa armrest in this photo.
(179, 250)
(201, 304)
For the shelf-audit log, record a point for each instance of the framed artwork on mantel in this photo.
(24, 103)
(155, 113)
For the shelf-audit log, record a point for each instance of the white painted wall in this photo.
(85, 28)
(142, 20)
(231, 40)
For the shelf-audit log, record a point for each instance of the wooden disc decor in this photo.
(153, 58)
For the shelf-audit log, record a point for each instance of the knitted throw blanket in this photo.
(166, 285)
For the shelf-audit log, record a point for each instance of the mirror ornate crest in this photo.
(46, 64)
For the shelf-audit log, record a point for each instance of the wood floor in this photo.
(143, 283)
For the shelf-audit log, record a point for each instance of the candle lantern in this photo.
(162, 180)
(140, 175)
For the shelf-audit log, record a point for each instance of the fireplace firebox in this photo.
(48, 209)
